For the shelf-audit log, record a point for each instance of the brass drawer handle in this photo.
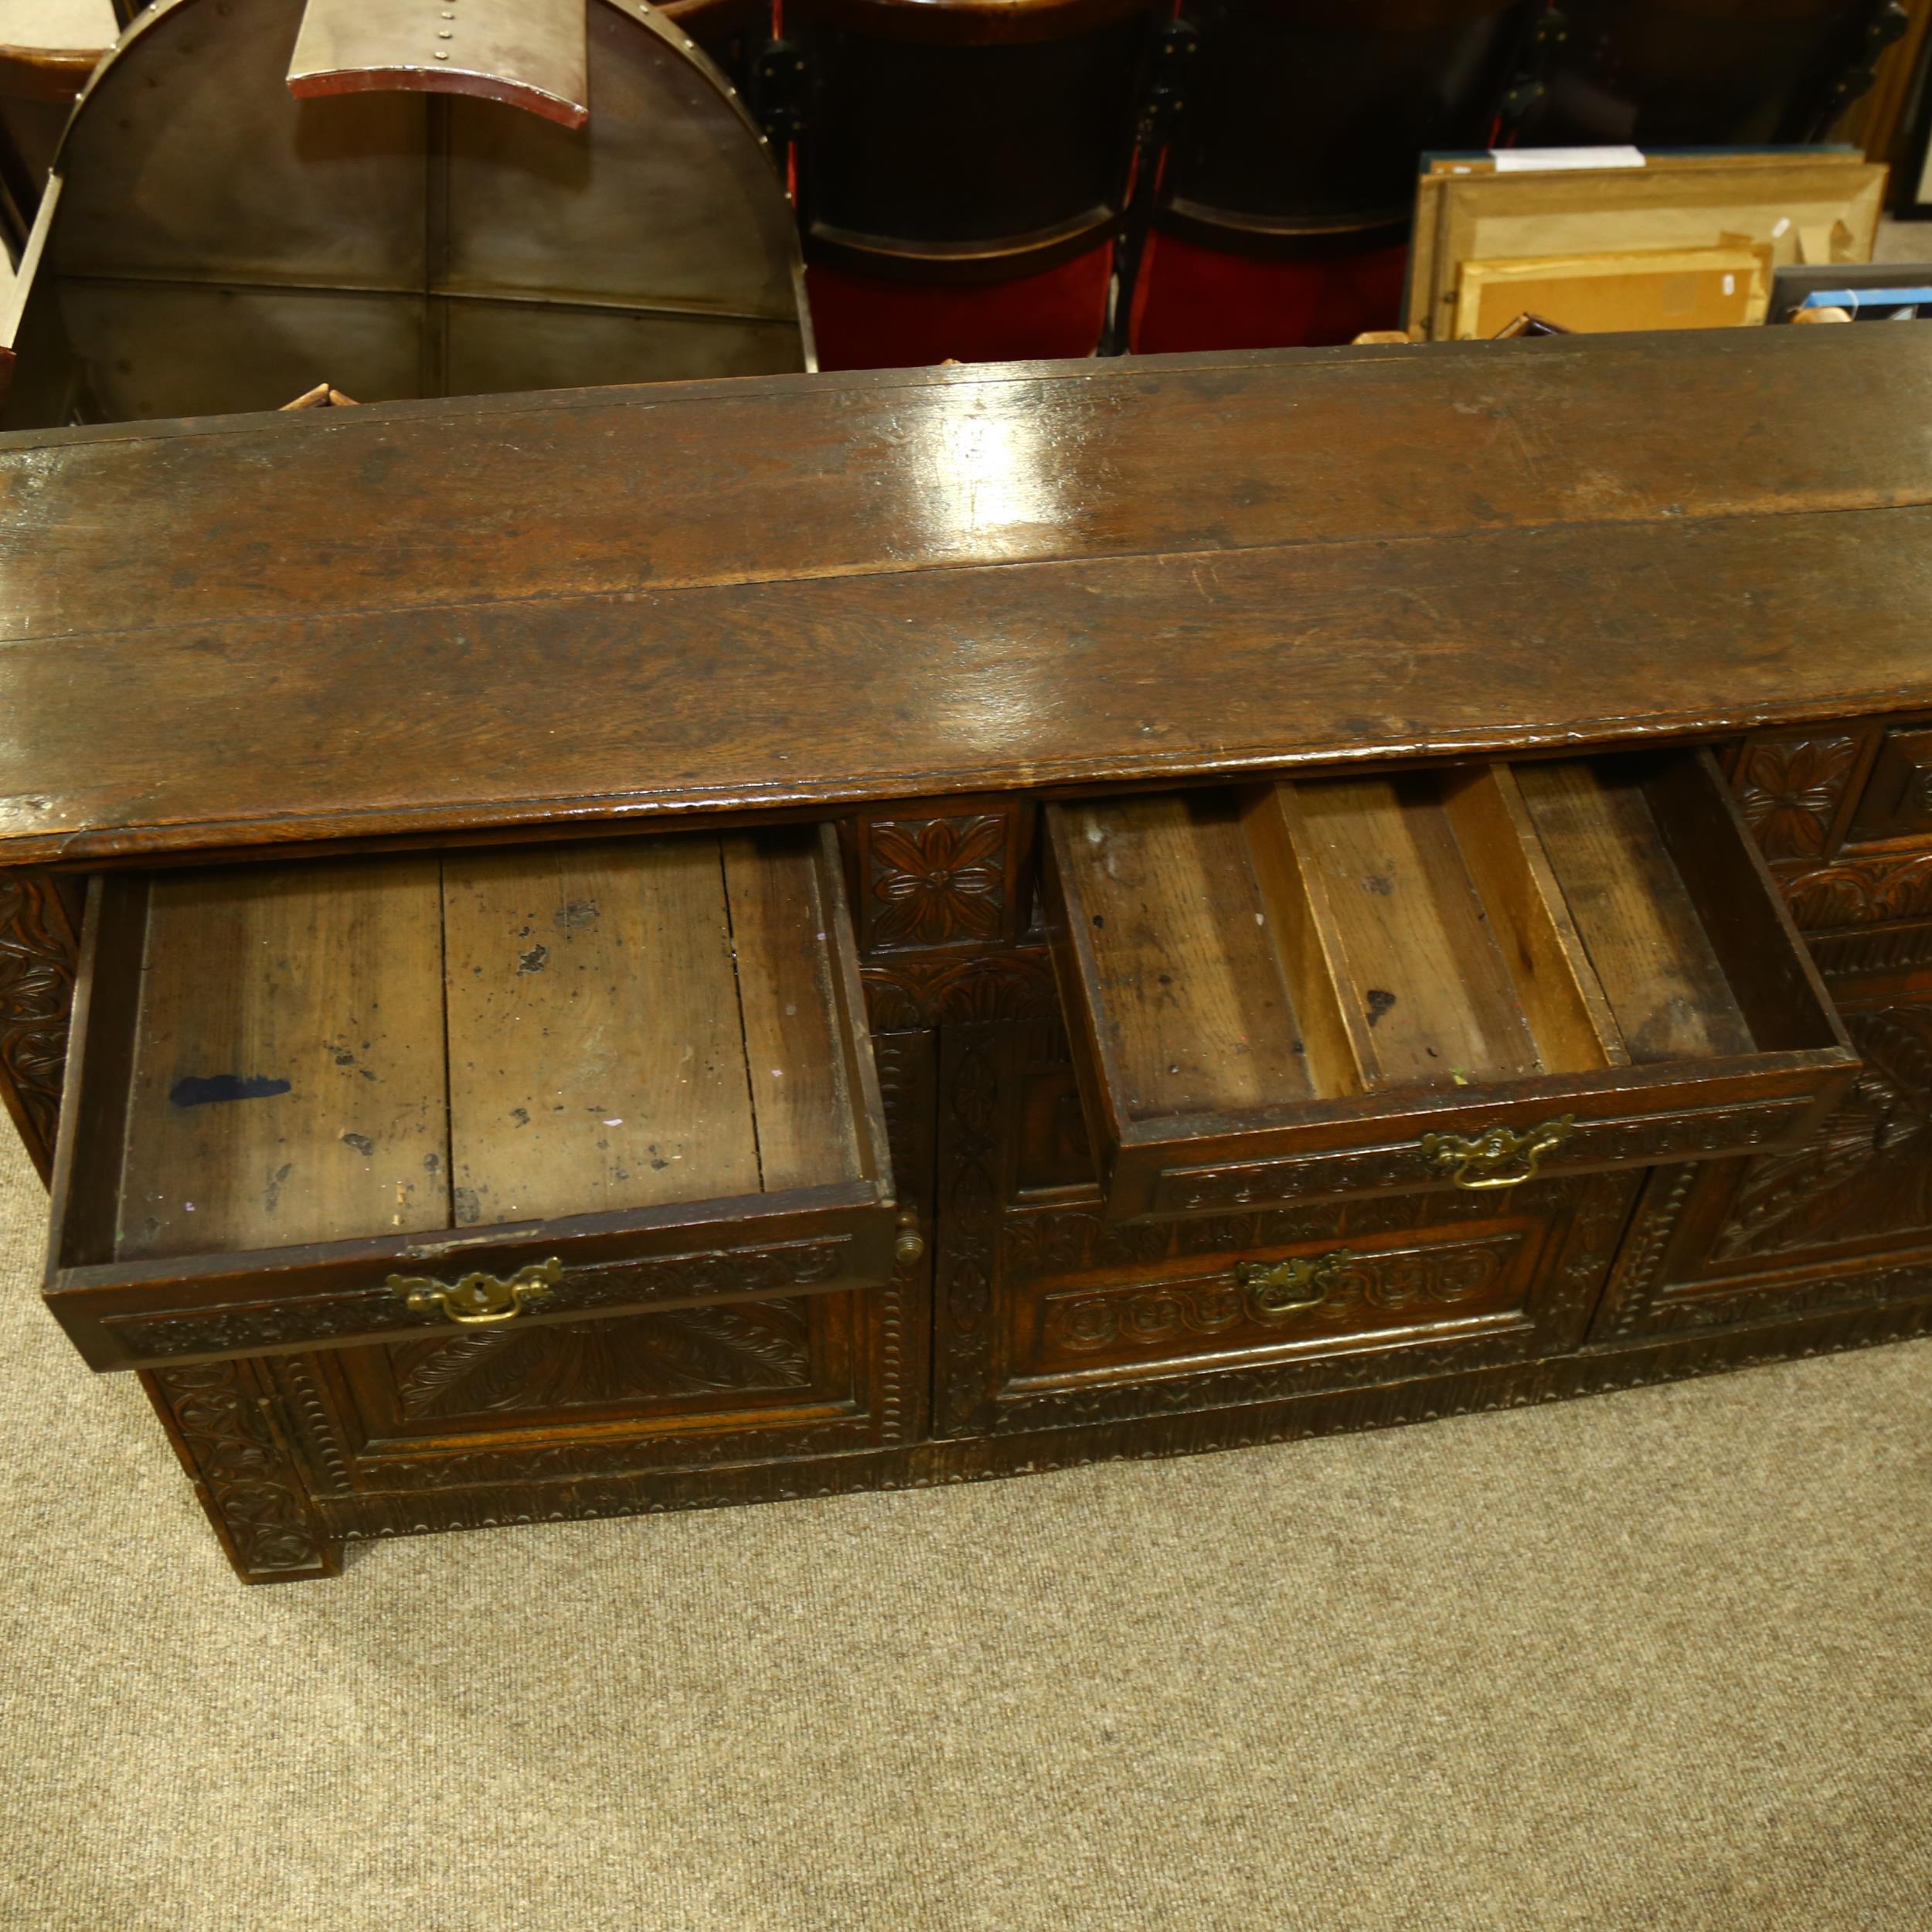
(1279, 1287)
(479, 1300)
(1500, 1158)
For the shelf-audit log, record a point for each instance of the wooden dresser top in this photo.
(785, 592)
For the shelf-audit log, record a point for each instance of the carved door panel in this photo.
(1050, 1314)
(583, 1404)
(579, 1405)
(1843, 816)
(1844, 1220)
(517, 1423)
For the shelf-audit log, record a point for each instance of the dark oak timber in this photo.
(801, 591)
(1213, 899)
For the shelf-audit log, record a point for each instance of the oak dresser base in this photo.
(275, 1533)
(1382, 950)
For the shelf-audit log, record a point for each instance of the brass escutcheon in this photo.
(1279, 1287)
(479, 1300)
(1500, 1156)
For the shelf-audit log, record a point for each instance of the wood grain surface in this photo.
(597, 1059)
(791, 591)
(1435, 994)
(288, 1082)
(1195, 1013)
(1642, 929)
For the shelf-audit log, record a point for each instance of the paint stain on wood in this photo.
(214, 1089)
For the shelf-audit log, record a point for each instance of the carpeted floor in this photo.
(1655, 1661)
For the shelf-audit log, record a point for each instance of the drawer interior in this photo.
(341, 1050)
(1269, 955)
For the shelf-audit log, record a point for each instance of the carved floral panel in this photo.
(1789, 790)
(936, 882)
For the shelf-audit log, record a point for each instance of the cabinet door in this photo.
(520, 1423)
(1050, 1312)
(1843, 1220)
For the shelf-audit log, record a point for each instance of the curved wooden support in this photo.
(57, 74)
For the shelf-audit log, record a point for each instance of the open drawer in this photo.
(1457, 977)
(344, 1100)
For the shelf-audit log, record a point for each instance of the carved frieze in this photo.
(1880, 949)
(912, 990)
(254, 1326)
(1364, 1291)
(1621, 1142)
(1860, 892)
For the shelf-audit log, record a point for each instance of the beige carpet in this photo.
(1655, 1661)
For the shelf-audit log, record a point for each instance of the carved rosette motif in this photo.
(247, 1478)
(36, 995)
(1789, 790)
(936, 881)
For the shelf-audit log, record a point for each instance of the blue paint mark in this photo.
(198, 1091)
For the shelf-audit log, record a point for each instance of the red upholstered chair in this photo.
(961, 164)
(1283, 204)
